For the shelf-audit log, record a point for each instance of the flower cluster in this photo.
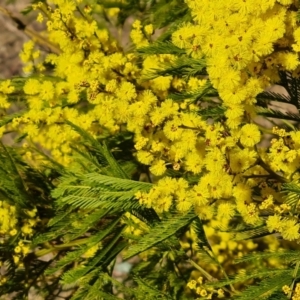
(12, 227)
(295, 293)
(205, 293)
(104, 90)
(243, 65)
(227, 155)
(101, 89)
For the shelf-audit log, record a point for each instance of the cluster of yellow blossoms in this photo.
(238, 39)
(102, 90)
(245, 46)
(207, 293)
(13, 226)
(295, 294)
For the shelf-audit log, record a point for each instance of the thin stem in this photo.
(275, 175)
(202, 271)
(43, 252)
(81, 13)
(269, 170)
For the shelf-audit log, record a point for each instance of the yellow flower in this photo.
(3, 101)
(215, 160)
(91, 251)
(27, 229)
(205, 212)
(16, 259)
(67, 7)
(250, 135)
(13, 232)
(274, 223)
(47, 90)
(195, 83)
(286, 289)
(126, 92)
(183, 37)
(163, 204)
(111, 86)
(226, 210)
(250, 214)
(149, 29)
(31, 213)
(40, 18)
(192, 284)
(6, 87)
(168, 185)
(18, 249)
(145, 157)
(137, 24)
(158, 167)
(241, 160)
(183, 206)
(162, 83)
(220, 293)
(194, 162)
(167, 109)
(288, 60)
(290, 229)
(138, 38)
(25, 250)
(172, 129)
(267, 202)
(25, 55)
(4, 220)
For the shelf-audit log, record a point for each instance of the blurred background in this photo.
(11, 38)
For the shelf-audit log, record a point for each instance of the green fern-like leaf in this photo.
(73, 256)
(267, 287)
(215, 112)
(245, 234)
(277, 114)
(267, 96)
(149, 292)
(205, 91)
(96, 190)
(165, 13)
(117, 183)
(250, 275)
(161, 48)
(292, 85)
(292, 194)
(161, 232)
(104, 153)
(182, 67)
(288, 256)
(76, 274)
(8, 118)
(13, 185)
(59, 216)
(86, 157)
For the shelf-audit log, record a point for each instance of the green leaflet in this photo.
(103, 151)
(267, 287)
(162, 231)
